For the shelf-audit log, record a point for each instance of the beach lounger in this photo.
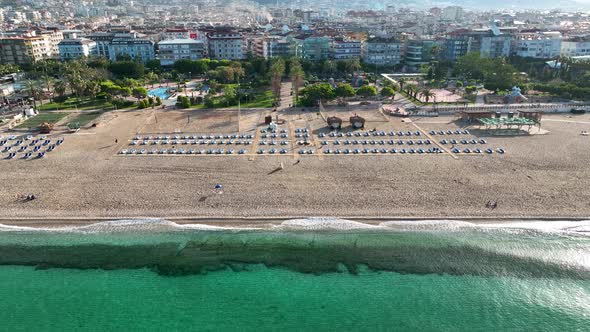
(391, 142)
(366, 134)
(142, 151)
(163, 151)
(17, 143)
(400, 142)
(272, 151)
(29, 137)
(408, 133)
(489, 151)
(283, 151)
(391, 133)
(172, 151)
(420, 151)
(365, 150)
(27, 155)
(500, 150)
(201, 151)
(356, 151)
(432, 132)
(180, 151)
(453, 141)
(463, 141)
(473, 141)
(383, 150)
(11, 155)
(372, 142)
(449, 132)
(153, 151)
(402, 151)
(466, 132)
(260, 151)
(412, 151)
(22, 148)
(410, 142)
(137, 138)
(50, 148)
(393, 151)
(482, 141)
(12, 137)
(466, 150)
(440, 132)
(346, 151)
(417, 133)
(124, 151)
(375, 150)
(41, 155)
(381, 142)
(457, 132)
(337, 151)
(455, 150)
(477, 150)
(357, 134)
(327, 151)
(336, 142)
(6, 148)
(419, 142)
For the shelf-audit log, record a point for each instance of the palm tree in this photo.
(59, 87)
(401, 82)
(152, 77)
(353, 65)
(297, 76)
(426, 94)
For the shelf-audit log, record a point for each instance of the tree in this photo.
(344, 90)
(60, 88)
(426, 94)
(277, 70)
(366, 91)
(402, 81)
(353, 65)
(152, 78)
(387, 92)
(127, 69)
(8, 69)
(313, 93)
(92, 88)
(297, 76)
(139, 92)
(229, 95)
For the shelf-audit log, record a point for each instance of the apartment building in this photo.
(543, 45)
(226, 44)
(76, 48)
(578, 46)
(383, 51)
(134, 48)
(342, 48)
(180, 49)
(24, 50)
(316, 48)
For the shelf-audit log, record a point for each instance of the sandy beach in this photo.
(85, 180)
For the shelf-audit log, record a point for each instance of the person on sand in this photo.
(116, 141)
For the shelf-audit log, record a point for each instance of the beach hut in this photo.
(334, 122)
(357, 122)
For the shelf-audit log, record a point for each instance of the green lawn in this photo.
(77, 103)
(50, 117)
(262, 100)
(85, 118)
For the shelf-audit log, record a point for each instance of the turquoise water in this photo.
(159, 92)
(465, 279)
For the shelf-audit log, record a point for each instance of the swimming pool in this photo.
(159, 92)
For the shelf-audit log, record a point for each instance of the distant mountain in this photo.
(520, 4)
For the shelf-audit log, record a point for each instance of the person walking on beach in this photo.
(116, 141)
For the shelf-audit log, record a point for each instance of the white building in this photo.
(176, 33)
(225, 44)
(544, 45)
(452, 13)
(177, 49)
(575, 47)
(76, 48)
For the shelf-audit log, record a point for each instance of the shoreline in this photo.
(265, 222)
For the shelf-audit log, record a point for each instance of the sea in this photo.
(317, 274)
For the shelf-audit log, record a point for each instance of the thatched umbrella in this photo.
(334, 122)
(357, 121)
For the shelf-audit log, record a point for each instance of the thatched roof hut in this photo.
(357, 122)
(334, 122)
